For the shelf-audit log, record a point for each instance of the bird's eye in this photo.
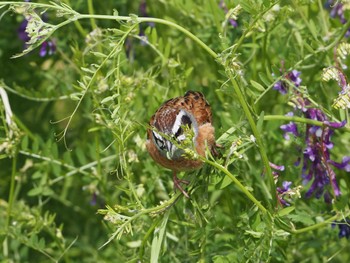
(185, 120)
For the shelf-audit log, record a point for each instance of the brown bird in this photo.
(166, 137)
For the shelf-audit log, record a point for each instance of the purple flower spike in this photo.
(316, 162)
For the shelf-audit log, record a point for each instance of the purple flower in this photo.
(294, 77)
(282, 85)
(93, 200)
(275, 170)
(282, 191)
(290, 128)
(277, 167)
(223, 6)
(337, 10)
(21, 31)
(47, 47)
(335, 124)
(344, 165)
(317, 166)
(344, 228)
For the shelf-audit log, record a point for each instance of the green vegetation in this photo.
(79, 82)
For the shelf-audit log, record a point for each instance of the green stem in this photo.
(324, 18)
(153, 210)
(155, 20)
(213, 54)
(250, 28)
(12, 190)
(238, 184)
(91, 12)
(316, 226)
(259, 142)
(298, 7)
(79, 27)
(301, 120)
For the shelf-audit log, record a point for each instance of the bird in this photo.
(177, 121)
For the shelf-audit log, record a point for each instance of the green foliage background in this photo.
(69, 185)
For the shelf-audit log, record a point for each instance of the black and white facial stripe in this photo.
(182, 118)
(159, 140)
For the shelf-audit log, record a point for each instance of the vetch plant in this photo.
(73, 131)
(316, 154)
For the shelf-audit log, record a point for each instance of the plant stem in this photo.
(272, 195)
(238, 184)
(10, 200)
(91, 12)
(155, 20)
(315, 226)
(301, 120)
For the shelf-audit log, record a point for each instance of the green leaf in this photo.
(99, 55)
(226, 181)
(257, 86)
(309, 48)
(35, 191)
(265, 79)
(47, 191)
(313, 28)
(157, 241)
(87, 70)
(286, 211)
(75, 96)
(134, 18)
(35, 147)
(281, 233)
(153, 37)
(134, 244)
(107, 99)
(302, 217)
(24, 143)
(254, 233)
(248, 6)
(81, 156)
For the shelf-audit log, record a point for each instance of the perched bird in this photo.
(169, 132)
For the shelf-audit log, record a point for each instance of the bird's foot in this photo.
(177, 184)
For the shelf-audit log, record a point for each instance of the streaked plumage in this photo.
(192, 110)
